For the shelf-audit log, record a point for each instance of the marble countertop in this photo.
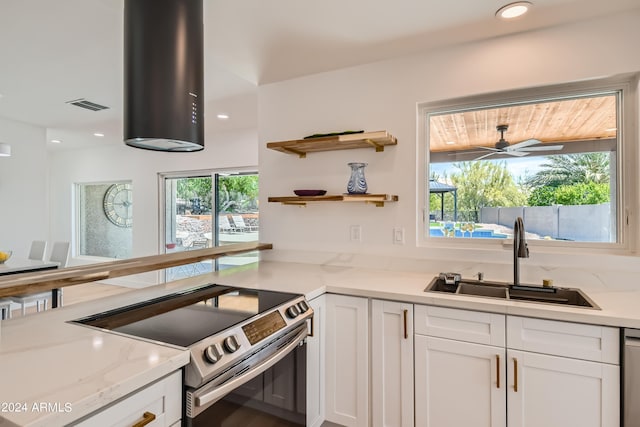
(77, 369)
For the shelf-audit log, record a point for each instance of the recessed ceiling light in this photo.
(513, 10)
(56, 141)
(450, 143)
(98, 134)
(223, 116)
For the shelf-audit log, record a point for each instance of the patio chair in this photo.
(199, 244)
(240, 224)
(224, 225)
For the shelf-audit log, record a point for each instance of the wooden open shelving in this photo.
(377, 199)
(300, 147)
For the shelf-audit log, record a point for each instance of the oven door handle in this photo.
(205, 396)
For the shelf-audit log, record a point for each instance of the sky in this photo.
(518, 166)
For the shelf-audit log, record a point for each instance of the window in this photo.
(551, 156)
(207, 209)
(105, 219)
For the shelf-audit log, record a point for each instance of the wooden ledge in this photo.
(47, 280)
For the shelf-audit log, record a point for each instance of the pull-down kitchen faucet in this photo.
(520, 249)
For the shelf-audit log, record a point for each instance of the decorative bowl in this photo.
(305, 193)
(4, 255)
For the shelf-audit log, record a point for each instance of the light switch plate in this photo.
(355, 233)
(398, 236)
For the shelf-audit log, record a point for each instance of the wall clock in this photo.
(118, 205)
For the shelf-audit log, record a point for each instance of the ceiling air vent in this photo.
(83, 103)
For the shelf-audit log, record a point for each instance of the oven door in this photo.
(269, 388)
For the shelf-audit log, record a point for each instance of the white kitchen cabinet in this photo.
(460, 369)
(347, 360)
(459, 384)
(557, 374)
(392, 364)
(315, 364)
(559, 391)
(162, 400)
(547, 373)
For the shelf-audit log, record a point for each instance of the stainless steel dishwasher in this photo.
(631, 379)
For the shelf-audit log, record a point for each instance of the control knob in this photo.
(292, 312)
(231, 344)
(213, 353)
(302, 307)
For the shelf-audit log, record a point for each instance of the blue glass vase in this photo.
(357, 183)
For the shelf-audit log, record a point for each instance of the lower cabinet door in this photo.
(347, 356)
(391, 364)
(558, 391)
(315, 364)
(459, 384)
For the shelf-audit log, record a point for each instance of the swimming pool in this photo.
(480, 233)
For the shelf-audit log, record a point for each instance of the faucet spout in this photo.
(520, 249)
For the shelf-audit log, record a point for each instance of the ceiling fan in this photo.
(519, 149)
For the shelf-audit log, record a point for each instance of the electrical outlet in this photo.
(398, 236)
(355, 233)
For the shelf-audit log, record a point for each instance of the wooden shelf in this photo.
(301, 147)
(377, 199)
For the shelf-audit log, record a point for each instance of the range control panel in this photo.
(263, 327)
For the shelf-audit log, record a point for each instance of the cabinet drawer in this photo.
(461, 325)
(587, 342)
(163, 399)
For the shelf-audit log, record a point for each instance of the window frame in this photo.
(627, 159)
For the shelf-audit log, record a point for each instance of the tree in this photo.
(196, 189)
(484, 184)
(583, 193)
(238, 193)
(571, 179)
(566, 169)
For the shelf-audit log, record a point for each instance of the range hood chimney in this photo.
(163, 74)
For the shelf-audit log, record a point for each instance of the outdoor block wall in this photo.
(597, 223)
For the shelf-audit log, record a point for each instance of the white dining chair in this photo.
(5, 308)
(59, 254)
(38, 249)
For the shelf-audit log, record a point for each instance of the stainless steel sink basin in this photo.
(552, 295)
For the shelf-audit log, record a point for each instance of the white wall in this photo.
(24, 203)
(222, 150)
(384, 96)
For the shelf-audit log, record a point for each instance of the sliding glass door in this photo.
(206, 209)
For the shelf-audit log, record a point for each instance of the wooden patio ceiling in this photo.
(586, 120)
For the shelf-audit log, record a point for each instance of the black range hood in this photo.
(163, 74)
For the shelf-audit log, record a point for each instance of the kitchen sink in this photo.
(486, 289)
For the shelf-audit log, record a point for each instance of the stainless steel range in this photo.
(242, 342)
